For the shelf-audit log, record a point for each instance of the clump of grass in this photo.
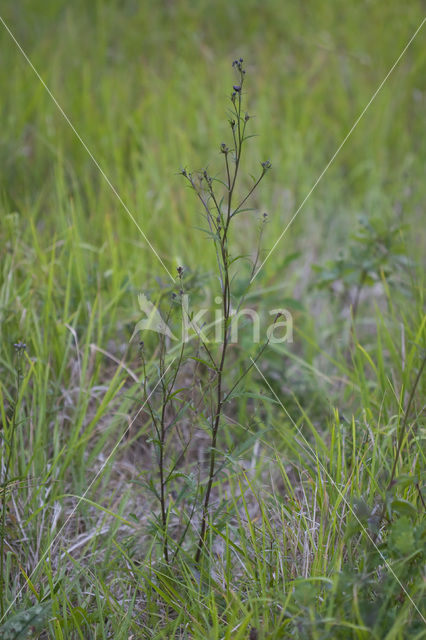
(10, 423)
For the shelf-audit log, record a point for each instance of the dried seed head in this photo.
(238, 64)
(207, 178)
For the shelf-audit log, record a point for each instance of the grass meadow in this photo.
(147, 491)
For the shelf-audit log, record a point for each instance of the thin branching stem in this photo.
(226, 307)
(219, 225)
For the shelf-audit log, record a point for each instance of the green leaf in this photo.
(21, 625)
(401, 538)
(207, 364)
(207, 232)
(403, 507)
(407, 480)
(250, 394)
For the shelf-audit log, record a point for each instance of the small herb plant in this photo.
(175, 415)
(376, 249)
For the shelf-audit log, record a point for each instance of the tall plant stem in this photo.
(219, 213)
(216, 423)
(223, 262)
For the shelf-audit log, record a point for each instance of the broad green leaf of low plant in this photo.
(25, 622)
(402, 536)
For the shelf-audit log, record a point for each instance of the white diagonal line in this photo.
(82, 497)
(330, 162)
(96, 163)
(311, 452)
